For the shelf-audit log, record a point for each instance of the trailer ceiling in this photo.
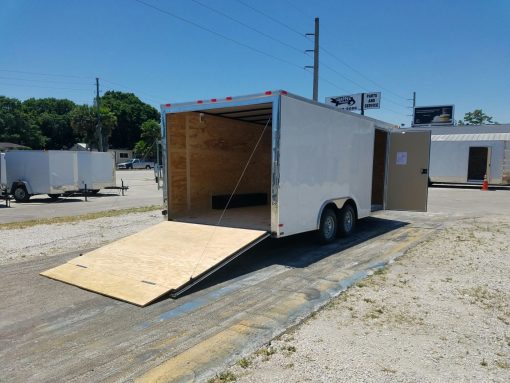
(257, 114)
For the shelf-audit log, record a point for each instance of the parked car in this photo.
(136, 163)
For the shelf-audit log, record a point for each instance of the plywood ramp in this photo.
(158, 260)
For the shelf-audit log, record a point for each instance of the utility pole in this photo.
(99, 131)
(414, 105)
(315, 60)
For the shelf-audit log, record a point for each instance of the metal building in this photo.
(465, 154)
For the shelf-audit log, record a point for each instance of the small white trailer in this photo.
(466, 154)
(3, 178)
(96, 170)
(31, 172)
(241, 169)
(57, 172)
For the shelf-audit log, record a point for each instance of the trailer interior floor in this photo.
(253, 217)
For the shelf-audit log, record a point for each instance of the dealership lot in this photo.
(63, 332)
(143, 191)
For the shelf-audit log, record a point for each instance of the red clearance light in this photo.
(268, 93)
(283, 92)
(168, 105)
(213, 100)
(228, 98)
(200, 102)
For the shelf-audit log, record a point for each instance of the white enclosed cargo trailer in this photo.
(96, 170)
(241, 169)
(3, 178)
(57, 172)
(466, 154)
(31, 172)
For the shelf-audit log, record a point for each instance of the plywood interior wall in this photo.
(207, 155)
(379, 167)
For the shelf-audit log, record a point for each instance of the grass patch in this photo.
(289, 349)
(224, 377)
(244, 363)
(502, 364)
(77, 218)
(266, 352)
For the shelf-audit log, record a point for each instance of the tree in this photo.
(51, 115)
(476, 117)
(150, 134)
(84, 123)
(131, 113)
(17, 126)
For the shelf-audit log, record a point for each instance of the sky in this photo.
(169, 51)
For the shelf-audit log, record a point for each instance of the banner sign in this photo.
(433, 115)
(353, 101)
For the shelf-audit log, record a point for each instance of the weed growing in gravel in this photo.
(503, 364)
(483, 363)
(389, 370)
(289, 349)
(266, 352)
(224, 377)
(244, 363)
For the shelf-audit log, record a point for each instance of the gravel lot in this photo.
(441, 313)
(50, 240)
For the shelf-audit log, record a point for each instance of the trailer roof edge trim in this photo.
(259, 98)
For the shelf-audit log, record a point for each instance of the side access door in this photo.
(407, 170)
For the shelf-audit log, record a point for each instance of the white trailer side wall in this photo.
(449, 160)
(324, 155)
(3, 177)
(45, 172)
(96, 170)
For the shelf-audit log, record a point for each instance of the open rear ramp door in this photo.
(169, 257)
(407, 170)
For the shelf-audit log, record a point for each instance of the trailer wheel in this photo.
(346, 220)
(328, 226)
(54, 196)
(94, 191)
(148, 167)
(20, 194)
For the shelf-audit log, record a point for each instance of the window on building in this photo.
(123, 155)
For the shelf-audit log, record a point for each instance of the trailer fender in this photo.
(21, 183)
(338, 203)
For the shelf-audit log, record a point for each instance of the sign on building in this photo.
(433, 115)
(355, 101)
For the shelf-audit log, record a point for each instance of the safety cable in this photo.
(230, 198)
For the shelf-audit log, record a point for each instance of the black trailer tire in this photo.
(54, 196)
(346, 220)
(328, 226)
(20, 194)
(148, 167)
(94, 191)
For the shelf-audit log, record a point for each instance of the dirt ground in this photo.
(440, 313)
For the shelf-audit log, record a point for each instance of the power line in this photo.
(218, 34)
(43, 74)
(361, 74)
(45, 87)
(44, 81)
(325, 50)
(147, 95)
(249, 27)
(272, 18)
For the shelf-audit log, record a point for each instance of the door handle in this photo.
(424, 171)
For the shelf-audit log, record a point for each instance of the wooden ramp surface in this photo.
(158, 260)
